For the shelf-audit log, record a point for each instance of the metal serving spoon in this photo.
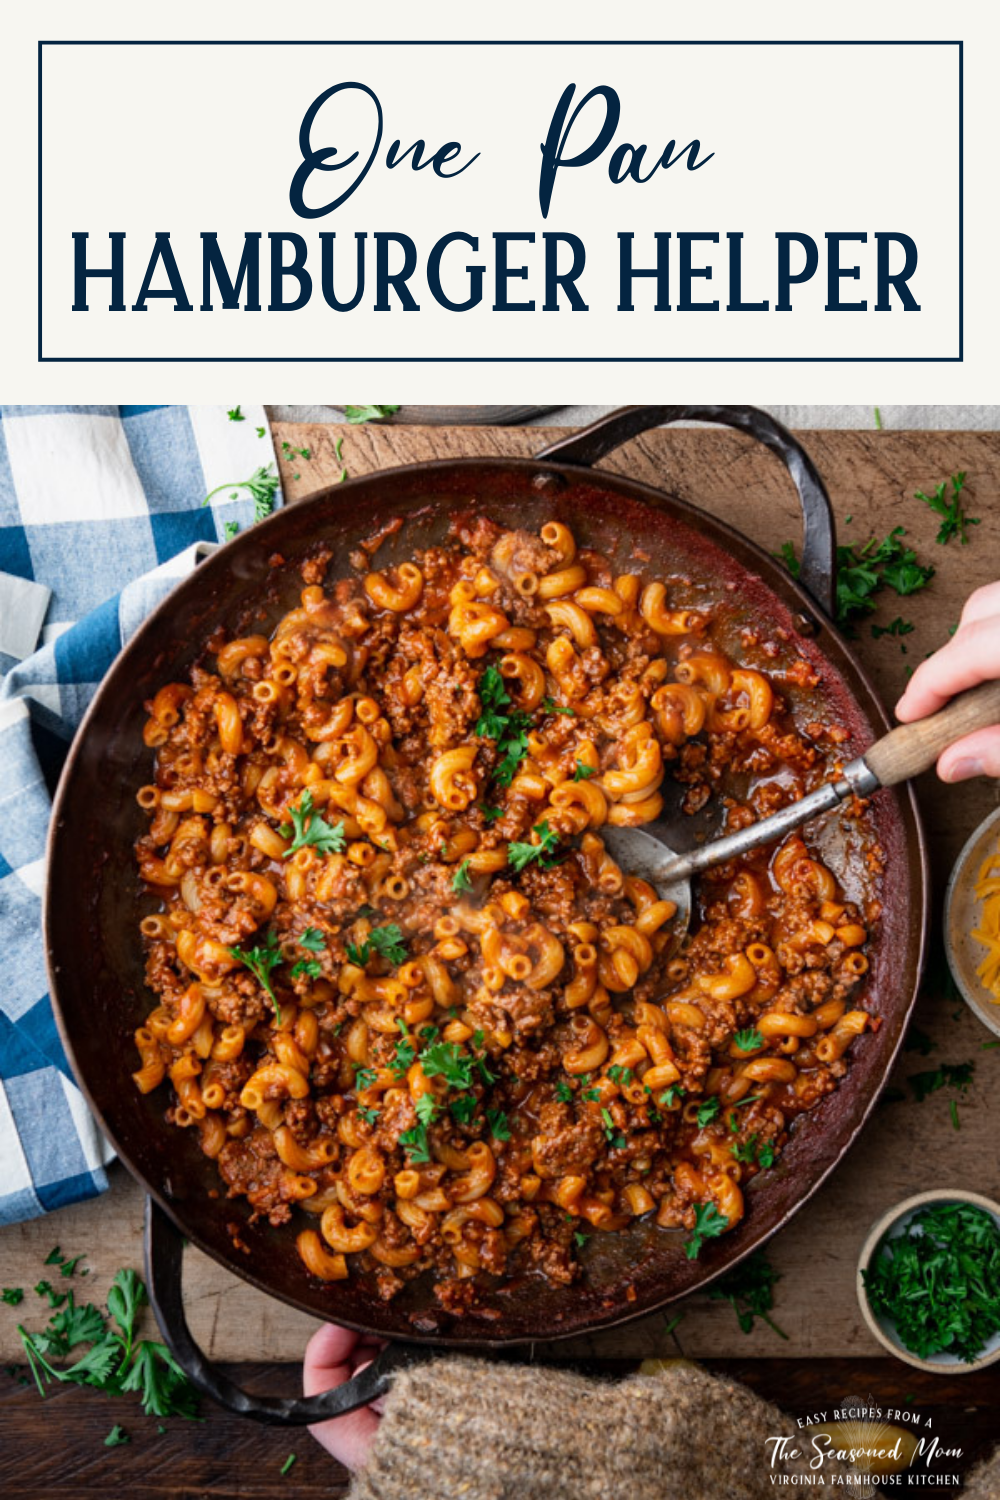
(898, 755)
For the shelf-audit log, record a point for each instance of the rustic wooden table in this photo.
(907, 1146)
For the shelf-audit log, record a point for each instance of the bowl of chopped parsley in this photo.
(929, 1281)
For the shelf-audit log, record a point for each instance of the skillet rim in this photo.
(775, 579)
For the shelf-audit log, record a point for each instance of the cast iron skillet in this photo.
(93, 903)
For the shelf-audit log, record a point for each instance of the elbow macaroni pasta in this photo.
(402, 988)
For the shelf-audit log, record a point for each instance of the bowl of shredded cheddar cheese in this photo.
(972, 922)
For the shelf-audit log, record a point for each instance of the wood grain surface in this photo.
(907, 1146)
(228, 1458)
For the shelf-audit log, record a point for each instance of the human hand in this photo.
(332, 1356)
(970, 657)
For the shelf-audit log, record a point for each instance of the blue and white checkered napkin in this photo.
(100, 515)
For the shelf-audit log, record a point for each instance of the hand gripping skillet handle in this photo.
(904, 752)
(817, 570)
(164, 1245)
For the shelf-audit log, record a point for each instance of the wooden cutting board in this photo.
(906, 1146)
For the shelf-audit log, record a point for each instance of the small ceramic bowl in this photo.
(962, 912)
(890, 1224)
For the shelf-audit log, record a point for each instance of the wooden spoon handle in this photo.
(912, 748)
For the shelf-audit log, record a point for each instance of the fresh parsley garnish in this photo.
(708, 1223)
(671, 1095)
(520, 855)
(415, 1142)
(448, 1061)
(462, 1108)
(583, 772)
(508, 729)
(311, 829)
(550, 706)
(12, 1295)
(404, 1057)
(68, 1268)
(618, 1074)
(750, 1290)
(118, 1435)
(948, 1075)
(260, 432)
(311, 967)
(312, 940)
(290, 452)
(749, 1039)
(262, 487)
(954, 520)
(55, 1257)
(863, 570)
(367, 1113)
(708, 1110)
(612, 1134)
(114, 1362)
(745, 1151)
(359, 414)
(939, 1281)
(499, 1127)
(235, 415)
(364, 1078)
(766, 1155)
(563, 1092)
(491, 814)
(460, 881)
(388, 942)
(897, 627)
(426, 1107)
(230, 529)
(260, 961)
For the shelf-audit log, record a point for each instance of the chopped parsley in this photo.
(462, 1108)
(426, 1107)
(947, 1075)
(12, 1295)
(708, 1223)
(550, 706)
(745, 1151)
(366, 1113)
(939, 1281)
(114, 1362)
(508, 729)
(750, 1290)
(291, 452)
(262, 487)
(671, 1096)
(583, 772)
(954, 520)
(563, 1092)
(357, 415)
(55, 1257)
(118, 1435)
(68, 1268)
(388, 942)
(863, 570)
(235, 415)
(766, 1155)
(499, 1126)
(708, 1110)
(612, 1134)
(448, 1061)
(260, 961)
(621, 1076)
(749, 1040)
(364, 1078)
(520, 855)
(287, 1464)
(878, 426)
(580, 1238)
(404, 1057)
(311, 830)
(491, 813)
(45, 1289)
(311, 967)
(230, 529)
(312, 940)
(897, 627)
(460, 880)
(415, 1143)
(260, 432)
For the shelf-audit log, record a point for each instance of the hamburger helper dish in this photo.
(404, 995)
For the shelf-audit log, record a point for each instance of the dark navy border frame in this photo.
(517, 359)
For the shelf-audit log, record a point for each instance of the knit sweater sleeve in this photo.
(481, 1431)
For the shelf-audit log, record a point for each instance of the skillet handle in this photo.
(817, 571)
(164, 1248)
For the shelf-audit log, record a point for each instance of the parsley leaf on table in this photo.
(359, 414)
(12, 1295)
(750, 1290)
(954, 520)
(947, 1075)
(116, 1436)
(262, 487)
